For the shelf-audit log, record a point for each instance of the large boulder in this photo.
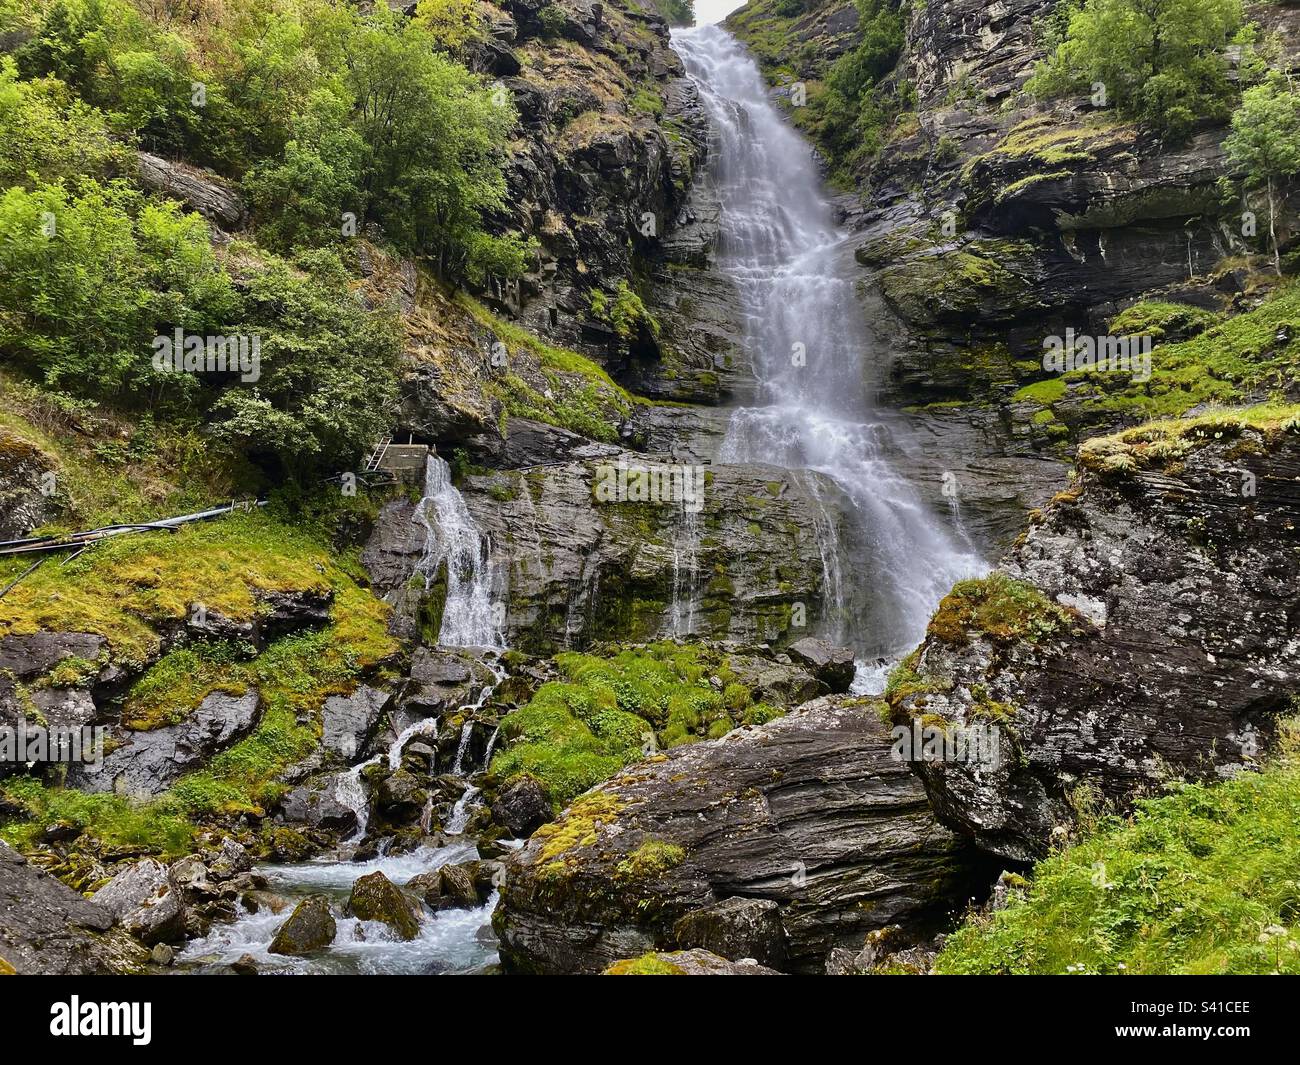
(46, 928)
(522, 808)
(310, 928)
(348, 721)
(833, 666)
(318, 806)
(376, 898)
(146, 902)
(811, 813)
(148, 762)
(1148, 625)
(200, 190)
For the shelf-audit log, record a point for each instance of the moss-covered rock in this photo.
(376, 898)
(310, 928)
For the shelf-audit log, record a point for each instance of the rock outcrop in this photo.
(310, 928)
(148, 762)
(1147, 627)
(200, 190)
(779, 842)
(47, 929)
(748, 565)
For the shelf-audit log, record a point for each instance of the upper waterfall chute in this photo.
(810, 351)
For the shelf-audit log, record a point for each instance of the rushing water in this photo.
(811, 356)
(450, 941)
(469, 616)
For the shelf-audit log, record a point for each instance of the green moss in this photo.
(1198, 881)
(647, 965)
(611, 711)
(1229, 361)
(1158, 320)
(1164, 443)
(652, 858)
(1000, 608)
(1043, 393)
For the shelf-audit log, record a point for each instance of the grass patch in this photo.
(1230, 361)
(121, 589)
(1202, 880)
(611, 711)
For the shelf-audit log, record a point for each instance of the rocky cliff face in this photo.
(611, 135)
(1146, 628)
(749, 564)
(778, 843)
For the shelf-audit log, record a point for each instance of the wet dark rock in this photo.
(349, 721)
(609, 570)
(282, 613)
(522, 808)
(317, 806)
(459, 888)
(148, 762)
(28, 657)
(401, 797)
(1182, 653)
(376, 898)
(736, 928)
(810, 812)
(831, 665)
(310, 928)
(145, 902)
(46, 928)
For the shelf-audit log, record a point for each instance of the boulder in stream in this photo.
(310, 928)
(376, 898)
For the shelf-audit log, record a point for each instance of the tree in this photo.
(88, 278)
(1264, 145)
(1162, 61)
(328, 368)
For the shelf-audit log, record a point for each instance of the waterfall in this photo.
(469, 617)
(686, 571)
(810, 351)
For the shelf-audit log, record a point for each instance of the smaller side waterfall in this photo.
(686, 572)
(469, 617)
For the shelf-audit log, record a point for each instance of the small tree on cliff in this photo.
(1264, 145)
(1162, 61)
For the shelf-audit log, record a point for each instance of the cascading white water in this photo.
(469, 616)
(809, 349)
(686, 571)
